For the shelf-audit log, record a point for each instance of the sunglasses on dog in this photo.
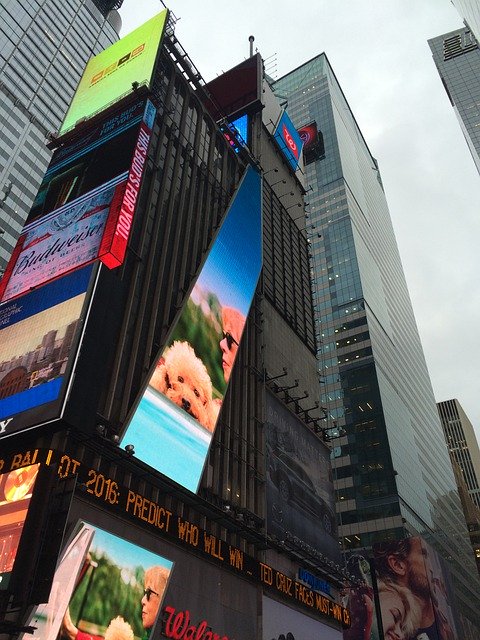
(230, 339)
(148, 592)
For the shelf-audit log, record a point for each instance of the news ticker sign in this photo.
(94, 225)
(104, 491)
(109, 75)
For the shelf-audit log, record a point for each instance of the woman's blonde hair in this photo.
(411, 621)
(157, 577)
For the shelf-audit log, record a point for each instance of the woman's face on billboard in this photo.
(150, 604)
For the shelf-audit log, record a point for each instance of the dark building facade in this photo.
(228, 547)
(45, 46)
(457, 58)
(392, 472)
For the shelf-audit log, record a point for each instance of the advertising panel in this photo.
(110, 74)
(38, 336)
(238, 89)
(288, 139)
(104, 587)
(360, 601)
(313, 147)
(414, 591)
(85, 205)
(16, 490)
(172, 426)
(283, 623)
(300, 494)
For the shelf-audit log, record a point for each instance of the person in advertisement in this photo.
(404, 564)
(233, 322)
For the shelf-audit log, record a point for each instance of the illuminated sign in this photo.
(413, 578)
(110, 74)
(313, 147)
(315, 583)
(178, 625)
(235, 133)
(16, 489)
(96, 187)
(38, 336)
(173, 424)
(158, 518)
(288, 139)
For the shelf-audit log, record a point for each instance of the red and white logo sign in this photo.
(178, 626)
(291, 144)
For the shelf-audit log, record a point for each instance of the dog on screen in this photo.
(184, 379)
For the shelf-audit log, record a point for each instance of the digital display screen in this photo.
(16, 490)
(38, 334)
(85, 205)
(288, 140)
(313, 146)
(104, 586)
(300, 492)
(179, 409)
(414, 580)
(110, 74)
(281, 622)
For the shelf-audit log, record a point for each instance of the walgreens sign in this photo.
(178, 625)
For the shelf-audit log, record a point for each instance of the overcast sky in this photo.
(379, 52)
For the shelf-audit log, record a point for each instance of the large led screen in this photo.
(172, 426)
(414, 591)
(16, 490)
(110, 74)
(283, 623)
(288, 140)
(104, 587)
(300, 493)
(85, 205)
(38, 335)
(313, 146)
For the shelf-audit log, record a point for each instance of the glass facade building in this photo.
(457, 58)
(391, 466)
(44, 46)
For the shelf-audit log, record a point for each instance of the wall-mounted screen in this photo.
(172, 426)
(313, 145)
(288, 140)
(110, 74)
(38, 337)
(104, 587)
(16, 490)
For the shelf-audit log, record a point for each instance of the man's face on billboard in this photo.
(417, 573)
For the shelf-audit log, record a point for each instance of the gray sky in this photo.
(379, 52)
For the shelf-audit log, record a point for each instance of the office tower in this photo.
(470, 12)
(163, 170)
(392, 471)
(457, 58)
(462, 444)
(44, 47)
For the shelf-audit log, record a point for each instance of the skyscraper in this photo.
(462, 444)
(392, 470)
(457, 58)
(44, 46)
(470, 12)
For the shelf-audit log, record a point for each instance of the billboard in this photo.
(300, 494)
(360, 601)
(85, 205)
(237, 89)
(38, 337)
(414, 591)
(172, 426)
(104, 587)
(313, 146)
(288, 140)
(16, 490)
(283, 623)
(109, 75)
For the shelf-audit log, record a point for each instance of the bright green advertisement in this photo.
(109, 75)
